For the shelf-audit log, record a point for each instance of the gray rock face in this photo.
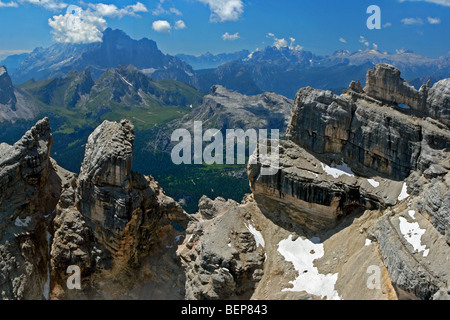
(316, 193)
(385, 84)
(7, 95)
(439, 101)
(414, 273)
(109, 219)
(13, 103)
(375, 136)
(221, 256)
(226, 109)
(29, 189)
(353, 153)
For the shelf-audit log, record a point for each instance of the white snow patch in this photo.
(22, 223)
(411, 214)
(412, 233)
(127, 82)
(337, 170)
(302, 253)
(374, 183)
(368, 242)
(404, 193)
(258, 236)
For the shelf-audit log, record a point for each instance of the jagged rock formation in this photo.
(222, 258)
(114, 224)
(385, 84)
(358, 127)
(358, 152)
(226, 109)
(29, 190)
(110, 218)
(357, 209)
(13, 104)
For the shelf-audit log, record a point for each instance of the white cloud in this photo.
(412, 21)
(292, 45)
(231, 37)
(175, 11)
(112, 11)
(342, 40)
(224, 10)
(77, 26)
(375, 46)
(439, 2)
(10, 4)
(161, 26)
(364, 41)
(180, 25)
(434, 20)
(283, 43)
(47, 4)
(387, 25)
(159, 10)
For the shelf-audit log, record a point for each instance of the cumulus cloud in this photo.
(47, 4)
(412, 21)
(375, 46)
(433, 20)
(180, 25)
(10, 4)
(439, 2)
(112, 11)
(161, 26)
(231, 37)
(342, 40)
(283, 43)
(77, 26)
(363, 40)
(224, 10)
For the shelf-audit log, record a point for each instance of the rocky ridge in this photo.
(358, 152)
(357, 209)
(224, 109)
(14, 104)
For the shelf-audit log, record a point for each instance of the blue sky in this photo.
(197, 26)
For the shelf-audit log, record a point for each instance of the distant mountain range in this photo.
(284, 70)
(76, 103)
(212, 61)
(116, 48)
(281, 70)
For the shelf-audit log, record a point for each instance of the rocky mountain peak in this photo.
(109, 154)
(384, 83)
(7, 95)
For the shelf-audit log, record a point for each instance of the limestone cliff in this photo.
(361, 156)
(29, 190)
(358, 208)
(112, 221)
